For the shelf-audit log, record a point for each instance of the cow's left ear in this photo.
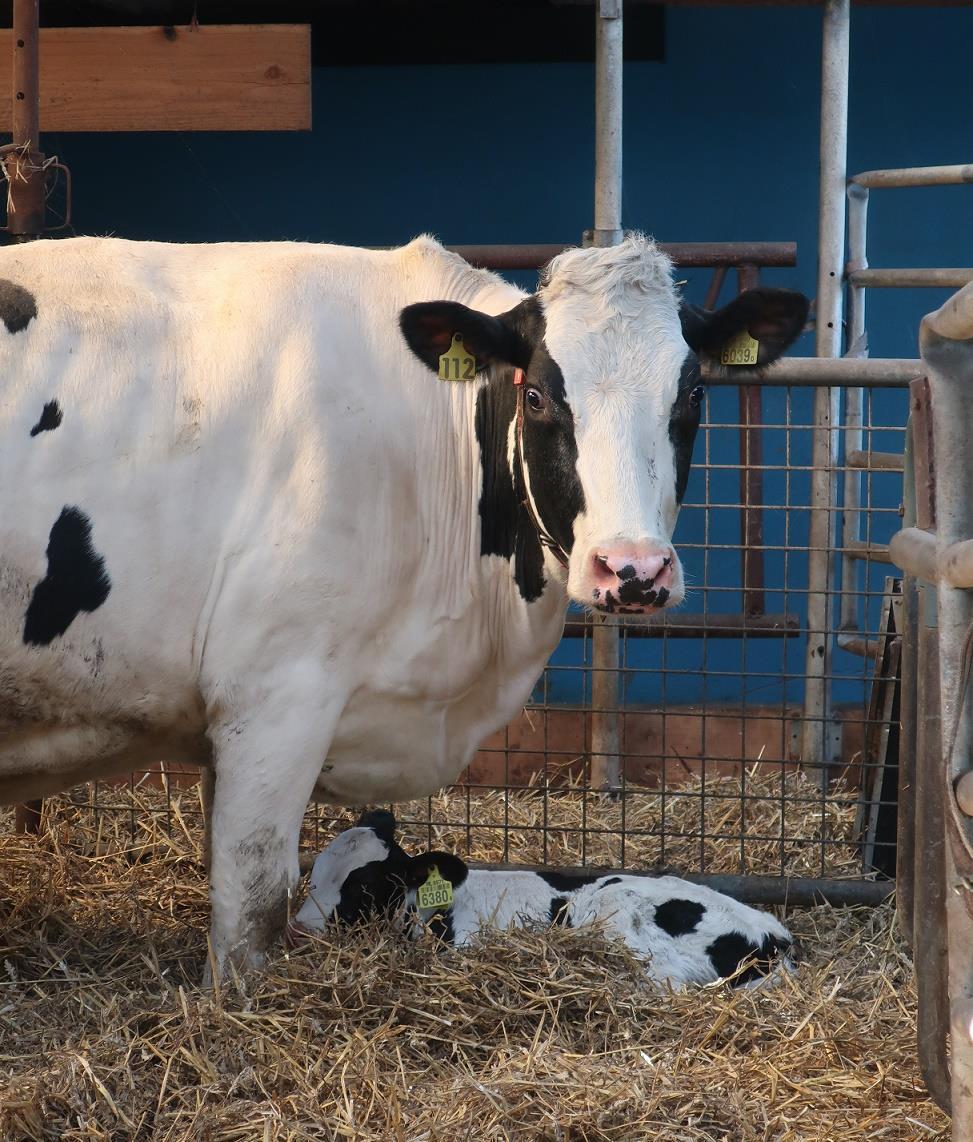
(429, 328)
(450, 868)
(772, 317)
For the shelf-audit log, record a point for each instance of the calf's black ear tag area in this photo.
(741, 350)
(457, 363)
(435, 892)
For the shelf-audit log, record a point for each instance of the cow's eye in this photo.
(534, 399)
(697, 395)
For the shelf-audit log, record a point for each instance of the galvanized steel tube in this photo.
(916, 176)
(605, 759)
(831, 248)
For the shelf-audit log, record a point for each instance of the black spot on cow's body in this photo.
(565, 882)
(506, 528)
(684, 422)
(50, 418)
(513, 340)
(610, 880)
(76, 580)
(17, 306)
(558, 911)
(729, 951)
(679, 917)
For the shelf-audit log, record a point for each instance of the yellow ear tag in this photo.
(742, 350)
(457, 363)
(436, 892)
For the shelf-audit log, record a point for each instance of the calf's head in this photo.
(610, 406)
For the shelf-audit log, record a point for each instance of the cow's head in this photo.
(611, 406)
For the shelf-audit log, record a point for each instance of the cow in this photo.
(685, 932)
(244, 524)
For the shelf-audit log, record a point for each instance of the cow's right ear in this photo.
(429, 327)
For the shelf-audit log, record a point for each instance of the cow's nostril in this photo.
(602, 570)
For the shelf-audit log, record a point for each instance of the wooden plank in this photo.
(233, 77)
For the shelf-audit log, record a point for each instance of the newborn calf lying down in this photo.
(685, 932)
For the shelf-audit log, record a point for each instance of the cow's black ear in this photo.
(774, 319)
(450, 868)
(429, 327)
(381, 821)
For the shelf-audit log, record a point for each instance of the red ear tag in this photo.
(518, 377)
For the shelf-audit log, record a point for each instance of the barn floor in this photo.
(105, 1033)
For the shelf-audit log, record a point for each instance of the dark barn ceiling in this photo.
(350, 32)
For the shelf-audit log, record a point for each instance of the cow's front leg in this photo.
(266, 763)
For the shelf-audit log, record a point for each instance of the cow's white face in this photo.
(610, 410)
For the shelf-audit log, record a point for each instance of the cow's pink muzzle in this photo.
(630, 578)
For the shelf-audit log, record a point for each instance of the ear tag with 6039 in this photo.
(742, 350)
(435, 892)
(457, 363)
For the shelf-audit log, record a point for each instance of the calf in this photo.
(686, 933)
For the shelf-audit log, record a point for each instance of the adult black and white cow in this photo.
(241, 520)
(686, 933)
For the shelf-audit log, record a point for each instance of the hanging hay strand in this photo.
(106, 1034)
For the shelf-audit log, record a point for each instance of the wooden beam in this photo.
(233, 77)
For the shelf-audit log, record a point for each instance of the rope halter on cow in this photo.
(547, 540)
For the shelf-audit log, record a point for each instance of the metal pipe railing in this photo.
(605, 766)
(831, 251)
(920, 277)
(685, 255)
(915, 176)
(819, 372)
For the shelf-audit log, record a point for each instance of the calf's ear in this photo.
(772, 317)
(380, 821)
(429, 327)
(450, 868)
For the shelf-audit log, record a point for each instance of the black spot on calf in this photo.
(76, 580)
(441, 926)
(680, 917)
(610, 880)
(565, 882)
(727, 952)
(558, 911)
(51, 418)
(17, 306)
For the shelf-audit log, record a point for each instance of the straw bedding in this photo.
(106, 1034)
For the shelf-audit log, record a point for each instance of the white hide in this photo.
(612, 318)
(350, 849)
(285, 500)
(623, 907)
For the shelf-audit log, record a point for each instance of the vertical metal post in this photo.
(605, 762)
(23, 163)
(751, 479)
(905, 839)
(23, 168)
(854, 408)
(831, 246)
(945, 345)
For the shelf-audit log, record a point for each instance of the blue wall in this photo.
(721, 143)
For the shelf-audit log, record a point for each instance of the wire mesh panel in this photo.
(711, 698)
